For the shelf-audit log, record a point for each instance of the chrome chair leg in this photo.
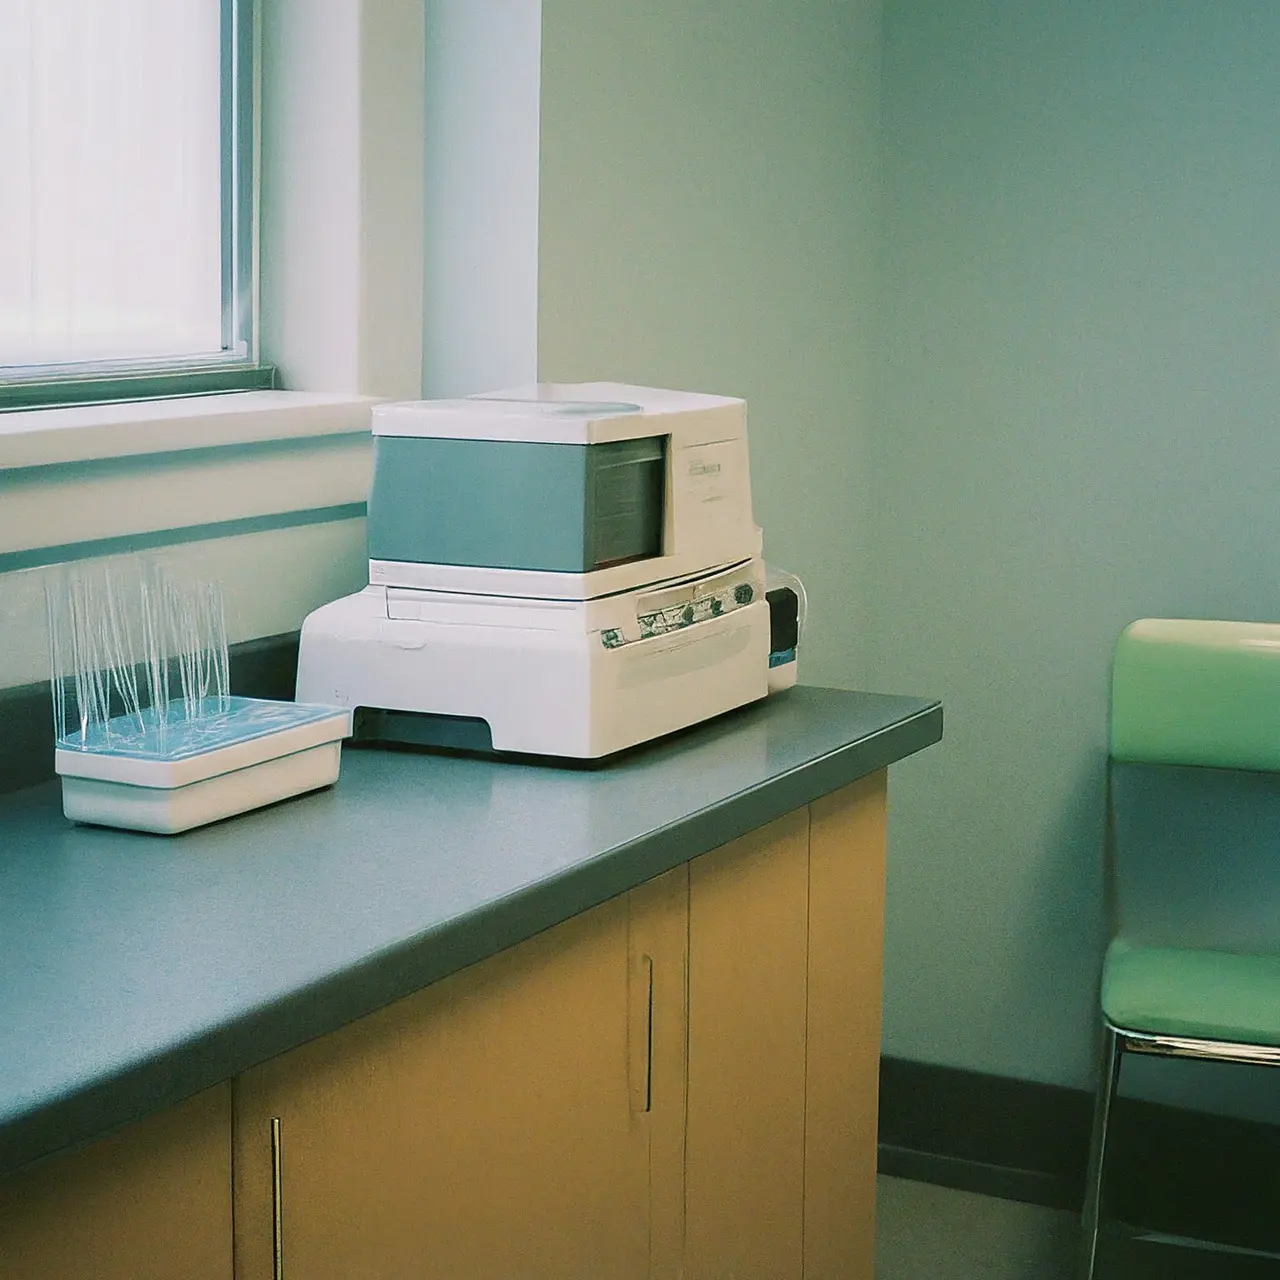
(1108, 1078)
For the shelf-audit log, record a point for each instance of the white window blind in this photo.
(113, 242)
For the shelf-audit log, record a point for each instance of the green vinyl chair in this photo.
(1192, 857)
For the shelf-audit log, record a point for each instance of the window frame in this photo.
(237, 367)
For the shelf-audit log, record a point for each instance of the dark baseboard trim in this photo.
(1172, 1171)
(265, 668)
(1027, 1185)
(1011, 1138)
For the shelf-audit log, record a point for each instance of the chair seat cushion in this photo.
(1207, 995)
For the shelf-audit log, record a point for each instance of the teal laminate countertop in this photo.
(138, 970)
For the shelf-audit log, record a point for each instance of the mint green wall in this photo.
(707, 189)
(1079, 333)
(1076, 427)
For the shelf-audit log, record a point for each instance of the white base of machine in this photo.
(552, 688)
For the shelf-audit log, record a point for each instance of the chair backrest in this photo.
(1197, 693)
(1195, 784)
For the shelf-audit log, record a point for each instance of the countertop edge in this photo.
(359, 990)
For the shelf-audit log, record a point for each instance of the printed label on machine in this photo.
(710, 475)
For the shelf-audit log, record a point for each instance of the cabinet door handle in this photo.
(277, 1202)
(640, 1034)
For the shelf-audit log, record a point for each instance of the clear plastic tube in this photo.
(784, 645)
(132, 644)
(775, 577)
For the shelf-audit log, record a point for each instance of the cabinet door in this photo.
(785, 939)
(150, 1202)
(744, 1171)
(659, 925)
(497, 1123)
(846, 944)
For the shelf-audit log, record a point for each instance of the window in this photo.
(127, 209)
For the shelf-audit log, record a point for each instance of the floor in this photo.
(925, 1232)
(933, 1233)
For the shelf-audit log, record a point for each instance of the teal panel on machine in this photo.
(506, 504)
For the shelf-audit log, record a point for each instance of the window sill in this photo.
(91, 433)
(262, 492)
(100, 479)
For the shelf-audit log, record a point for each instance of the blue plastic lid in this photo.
(177, 737)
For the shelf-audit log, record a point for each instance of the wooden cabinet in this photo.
(842, 1055)
(744, 1186)
(785, 939)
(148, 1203)
(679, 1082)
(498, 1123)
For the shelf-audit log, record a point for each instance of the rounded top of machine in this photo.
(552, 413)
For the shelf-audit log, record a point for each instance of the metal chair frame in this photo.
(1116, 1041)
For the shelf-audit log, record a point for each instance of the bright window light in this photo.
(119, 229)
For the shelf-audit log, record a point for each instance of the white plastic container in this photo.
(145, 775)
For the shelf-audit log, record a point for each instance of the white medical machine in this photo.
(565, 570)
